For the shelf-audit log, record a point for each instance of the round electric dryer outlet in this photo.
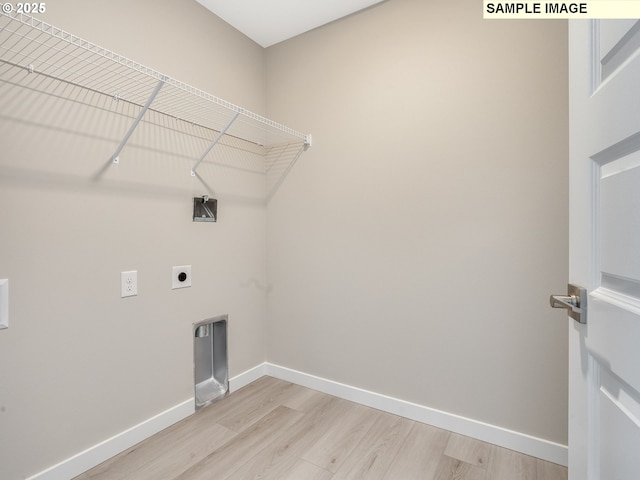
(181, 276)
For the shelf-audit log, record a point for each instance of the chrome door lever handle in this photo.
(575, 302)
(563, 301)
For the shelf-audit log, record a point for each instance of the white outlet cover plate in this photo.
(175, 277)
(129, 283)
(4, 303)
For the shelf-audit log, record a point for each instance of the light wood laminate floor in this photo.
(276, 430)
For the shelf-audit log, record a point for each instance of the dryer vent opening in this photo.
(211, 367)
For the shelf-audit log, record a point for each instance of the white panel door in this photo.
(604, 363)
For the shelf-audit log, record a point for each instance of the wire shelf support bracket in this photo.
(116, 155)
(217, 139)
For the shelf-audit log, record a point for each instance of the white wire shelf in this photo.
(27, 43)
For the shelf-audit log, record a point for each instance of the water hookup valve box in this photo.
(205, 209)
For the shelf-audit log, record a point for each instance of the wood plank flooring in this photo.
(275, 430)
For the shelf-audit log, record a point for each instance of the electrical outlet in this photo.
(181, 277)
(129, 283)
(4, 303)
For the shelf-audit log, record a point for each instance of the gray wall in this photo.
(412, 250)
(79, 364)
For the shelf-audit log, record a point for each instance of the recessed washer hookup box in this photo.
(211, 365)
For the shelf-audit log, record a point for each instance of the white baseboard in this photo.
(106, 449)
(245, 378)
(536, 447)
(520, 442)
(97, 454)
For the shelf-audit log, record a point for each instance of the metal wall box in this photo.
(211, 365)
(205, 209)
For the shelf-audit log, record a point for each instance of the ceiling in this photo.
(268, 22)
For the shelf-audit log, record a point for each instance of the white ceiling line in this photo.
(268, 22)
